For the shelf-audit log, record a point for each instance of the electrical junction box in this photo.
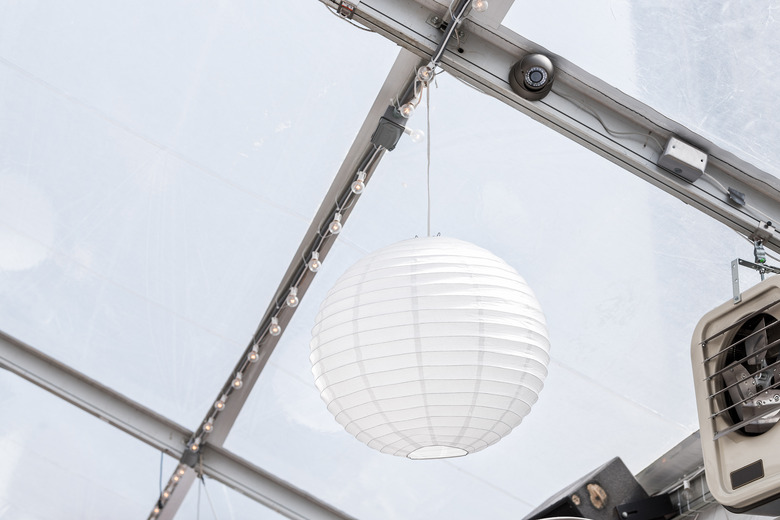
(683, 160)
(595, 496)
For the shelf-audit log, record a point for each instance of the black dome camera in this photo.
(532, 77)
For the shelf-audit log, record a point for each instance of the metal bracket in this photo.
(441, 24)
(761, 268)
(347, 10)
(189, 458)
(765, 231)
(648, 509)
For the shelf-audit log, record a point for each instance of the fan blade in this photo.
(755, 342)
(738, 392)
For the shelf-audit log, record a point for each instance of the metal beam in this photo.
(160, 433)
(362, 156)
(586, 110)
(264, 487)
(92, 397)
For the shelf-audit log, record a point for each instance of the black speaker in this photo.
(595, 496)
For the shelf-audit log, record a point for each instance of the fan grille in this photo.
(742, 363)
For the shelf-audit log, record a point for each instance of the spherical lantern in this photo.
(430, 348)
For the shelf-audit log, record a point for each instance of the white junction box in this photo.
(683, 160)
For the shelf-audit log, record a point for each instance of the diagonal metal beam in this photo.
(362, 156)
(588, 111)
(159, 432)
(92, 397)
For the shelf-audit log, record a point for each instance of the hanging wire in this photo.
(197, 515)
(428, 130)
(208, 497)
(161, 471)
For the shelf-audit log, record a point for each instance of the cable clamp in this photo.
(346, 10)
(765, 231)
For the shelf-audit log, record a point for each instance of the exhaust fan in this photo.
(736, 367)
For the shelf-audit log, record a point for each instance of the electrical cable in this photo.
(335, 13)
(428, 172)
(208, 497)
(709, 178)
(614, 133)
(161, 460)
(197, 515)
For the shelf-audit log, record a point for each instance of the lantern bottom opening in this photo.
(436, 452)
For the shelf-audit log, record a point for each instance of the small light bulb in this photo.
(220, 405)
(425, 73)
(335, 226)
(166, 494)
(156, 510)
(208, 425)
(417, 135)
(238, 382)
(254, 354)
(194, 446)
(314, 265)
(406, 110)
(176, 478)
(479, 6)
(181, 471)
(360, 184)
(292, 298)
(275, 329)
(686, 490)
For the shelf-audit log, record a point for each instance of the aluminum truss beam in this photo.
(159, 432)
(398, 81)
(586, 110)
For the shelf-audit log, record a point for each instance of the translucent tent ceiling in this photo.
(160, 163)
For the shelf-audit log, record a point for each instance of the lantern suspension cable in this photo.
(428, 168)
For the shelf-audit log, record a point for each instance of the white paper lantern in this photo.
(430, 348)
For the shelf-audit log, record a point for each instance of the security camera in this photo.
(532, 77)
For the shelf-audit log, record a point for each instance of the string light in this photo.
(195, 446)
(335, 226)
(425, 74)
(208, 425)
(275, 329)
(156, 510)
(406, 110)
(238, 381)
(166, 494)
(416, 136)
(181, 471)
(254, 354)
(360, 184)
(176, 478)
(479, 6)
(314, 265)
(220, 405)
(292, 298)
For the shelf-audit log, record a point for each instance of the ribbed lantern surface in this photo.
(430, 348)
